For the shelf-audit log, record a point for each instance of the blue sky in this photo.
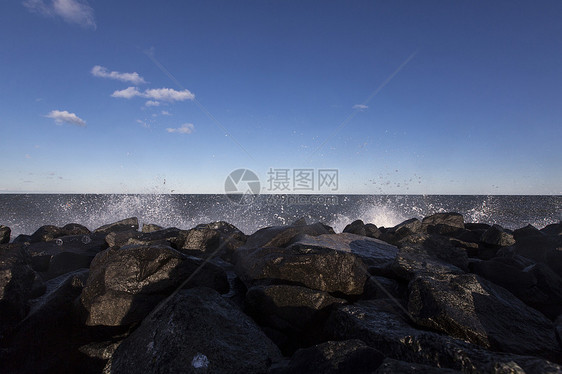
(401, 97)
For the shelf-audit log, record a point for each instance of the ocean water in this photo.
(24, 213)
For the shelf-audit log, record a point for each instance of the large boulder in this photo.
(297, 312)
(126, 224)
(394, 234)
(472, 309)
(196, 331)
(539, 246)
(5, 233)
(498, 236)
(356, 227)
(443, 223)
(118, 239)
(392, 366)
(281, 236)
(413, 260)
(381, 326)
(64, 254)
(333, 357)
(318, 268)
(377, 255)
(126, 284)
(16, 283)
(37, 343)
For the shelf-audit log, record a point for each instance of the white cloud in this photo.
(28, 156)
(102, 72)
(152, 103)
(127, 93)
(63, 116)
(163, 94)
(72, 11)
(143, 124)
(186, 128)
(165, 113)
(360, 106)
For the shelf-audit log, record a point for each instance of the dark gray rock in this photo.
(536, 245)
(394, 234)
(377, 255)
(300, 222)
(290, 309)
(5, 233)
(64, 254)
(231, 238)
(472, 309)
(453, 220)
(379, 325)
(118, 239)
(372, 231)
(46, 233)
(124, 285)
(356, 227)
(558, 329)
(150, 227)
(300, 264)
(553, 229)
(392, 366)
(37, 343)
(16, 283)
(497, 236)
(548, 283)
(123, 225)
(75, 229)
(333, 357)
(281, 236)
(196, 331)
(201, 242)
(378, 287)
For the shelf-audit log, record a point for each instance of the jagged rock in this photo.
(231, 238)
(5, 233)
(300, 222)
(310, 263)
(553, 229)
(497, 236)
(64, 254)
(16, 283)
(123, 225)
(476, 227)
(46, 233)
(75, 229)
(37, 343)
(97, 354)
(558, 329)
(377, 255)
(536, 245)
(372, 231)
(124, 285)
(22, 239)
(356, 227)
(378, 287)
(443, 222)
(195, 331)
(550, 284)
(378, 324)
(146, 228)
(281, 236)
(118, 239)
(290, 309)
(333, 357)
(394, 234)
(198, 241)
(392, 366)
(470, 308)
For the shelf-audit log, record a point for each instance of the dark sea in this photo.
(24, 213)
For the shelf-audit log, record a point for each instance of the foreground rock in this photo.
(5, 233)
(349, 356)
(378, 324)
(16, 283)
(196, 331)
(472, 309)
(126, 284)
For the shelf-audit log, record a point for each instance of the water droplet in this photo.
(59, 242)
(200, 361)
(86, 239)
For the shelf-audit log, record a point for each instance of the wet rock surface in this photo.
(433, 294)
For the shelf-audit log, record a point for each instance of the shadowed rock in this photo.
(378, 324)
(195, 331)
(392, 366)
(124, 285)
(123, 225)
(472, 309)
(497, 236)
(348, 356)
(5, 233)
(281, 236)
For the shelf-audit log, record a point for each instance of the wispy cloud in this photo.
(166, 113)
(186, 128)
(360, 106)
(162, 94)
(63, 116)
(71, 11)
(102, 72)
(152, 103)
(143, 124)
